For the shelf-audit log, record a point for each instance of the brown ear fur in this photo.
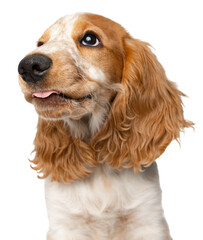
(59, 155)
(146, 117)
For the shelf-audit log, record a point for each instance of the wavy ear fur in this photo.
(60, 155)
(144, 118)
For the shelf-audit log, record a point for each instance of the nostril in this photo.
(39, 69)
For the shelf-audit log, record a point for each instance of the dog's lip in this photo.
(47, 94)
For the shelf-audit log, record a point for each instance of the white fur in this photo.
(96, 74)
(107, 205)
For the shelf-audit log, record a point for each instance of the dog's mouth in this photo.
(52, 99)
(45, 95)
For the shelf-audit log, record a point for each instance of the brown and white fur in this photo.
(111, 114)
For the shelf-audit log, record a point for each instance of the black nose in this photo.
(34, 67)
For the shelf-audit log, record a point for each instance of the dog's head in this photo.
(75, 68)
(88, 69)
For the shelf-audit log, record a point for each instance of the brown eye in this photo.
(90, 40)
(40, 44)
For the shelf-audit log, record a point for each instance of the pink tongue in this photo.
(43, 94)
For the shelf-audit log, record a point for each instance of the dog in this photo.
(106, 112)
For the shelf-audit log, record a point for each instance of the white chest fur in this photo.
(107, 205)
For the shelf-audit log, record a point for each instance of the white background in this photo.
(174, 29)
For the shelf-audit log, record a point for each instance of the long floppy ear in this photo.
(59, 155)
(144, 118)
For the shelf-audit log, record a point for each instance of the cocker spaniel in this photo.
(106, 112)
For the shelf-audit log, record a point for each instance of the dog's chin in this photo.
(58, 116)
(62, 113)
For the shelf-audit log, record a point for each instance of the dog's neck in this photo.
(80, 128)
(87, 126)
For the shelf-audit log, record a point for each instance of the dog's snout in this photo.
(34, 67)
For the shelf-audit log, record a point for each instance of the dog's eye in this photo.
(40, 44)
(90, 40)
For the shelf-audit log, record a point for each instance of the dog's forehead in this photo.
(63, 28)
(66, 26)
